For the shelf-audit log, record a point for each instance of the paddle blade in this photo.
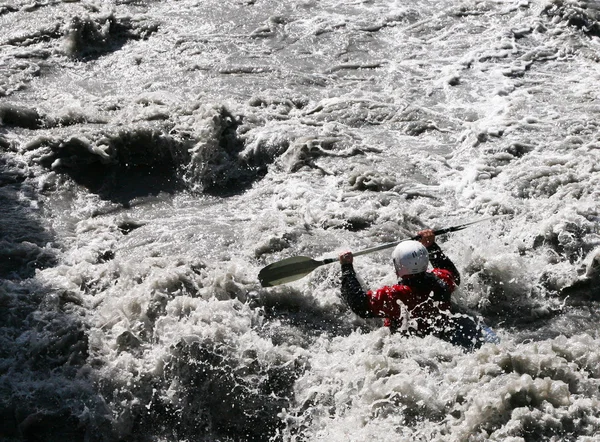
(287, 270)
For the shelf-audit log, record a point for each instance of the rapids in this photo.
(155, 155)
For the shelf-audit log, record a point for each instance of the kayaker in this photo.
(420, 303)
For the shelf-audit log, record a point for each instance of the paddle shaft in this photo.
(389, 245)
(291, 269)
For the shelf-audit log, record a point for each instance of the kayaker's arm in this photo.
(439, 260)
(352, 292)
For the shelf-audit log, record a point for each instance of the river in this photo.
(155, 155)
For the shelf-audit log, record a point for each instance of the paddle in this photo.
(296, 267)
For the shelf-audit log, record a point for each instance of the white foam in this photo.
(335, 126)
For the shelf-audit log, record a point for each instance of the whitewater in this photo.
(156, 155)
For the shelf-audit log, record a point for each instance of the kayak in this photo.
(470, 333)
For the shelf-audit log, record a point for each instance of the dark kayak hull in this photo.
(468, 332)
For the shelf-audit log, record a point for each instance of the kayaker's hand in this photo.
(346, 258)
(426, 237)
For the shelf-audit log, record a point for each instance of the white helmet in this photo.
(410, 257)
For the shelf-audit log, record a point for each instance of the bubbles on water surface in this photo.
(154, 156)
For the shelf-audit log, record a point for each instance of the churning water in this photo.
(155, 155)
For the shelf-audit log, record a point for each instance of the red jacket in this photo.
(418, 304)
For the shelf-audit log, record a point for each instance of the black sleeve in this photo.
(439, 260)
(353, 293)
